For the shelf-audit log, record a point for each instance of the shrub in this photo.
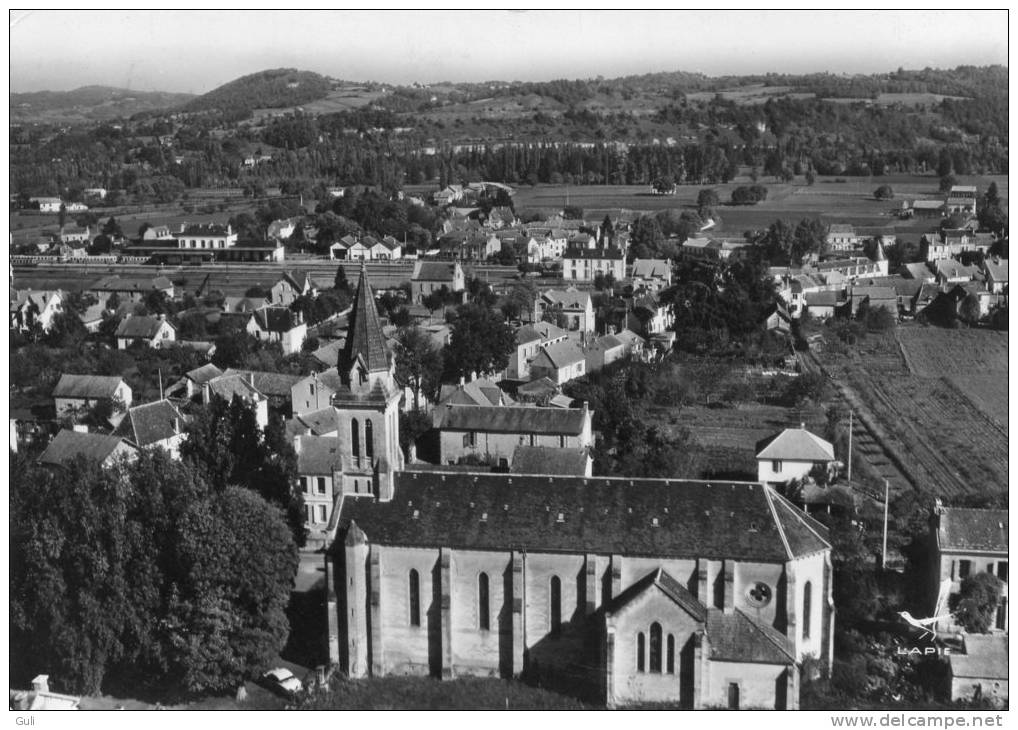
(884, 192)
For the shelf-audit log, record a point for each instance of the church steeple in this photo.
(364, 338)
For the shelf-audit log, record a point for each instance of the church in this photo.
(623, 591)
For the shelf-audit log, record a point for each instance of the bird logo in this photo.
(925, 625)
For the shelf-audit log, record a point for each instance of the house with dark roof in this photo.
(149, 331)
(315, 391)
(279, 324)
(319, 464)
(150, 425)
(231, 385)
(792, 454)
(824, 304)
(601, 352)
(702, 594)
(551, 460)
(492, 433)
(996, 275)
(969, 541)
(78, 393)
(68, 445)
(530, 338)
(431, 276)
(205, 236)
(560, 362)
(651, 274)
(584, 264)
(193, 380)
(132, 288)
(980, 673)
(477, 392)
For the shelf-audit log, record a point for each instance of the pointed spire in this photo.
(364, 336)
(880, 256)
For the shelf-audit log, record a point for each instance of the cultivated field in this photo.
(937, 400)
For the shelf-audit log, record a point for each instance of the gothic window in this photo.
(369, 439)
(415, 598)
(670, 657)
(639, 652)
(655, 647)
(807, 608)
(483, 612)
(556, 605)
(355, 438)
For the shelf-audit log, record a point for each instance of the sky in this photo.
(195, 51)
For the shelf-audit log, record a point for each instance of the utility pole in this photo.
(850, 448)
(883, 558)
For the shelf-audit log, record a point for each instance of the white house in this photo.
(152, 331)
(575, 307)
(319, 460)
(35, 307)
(792, 454)
(206, 235)
(154, 425)
(560, 362)
(279, 324)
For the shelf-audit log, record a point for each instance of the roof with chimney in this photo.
(87, 386)
(276, 385)
(795, 444)
(364, 337)
(660, 518)
(651, 269)
(150, 423)
(317, 455)
(569, 298)
(480, 392)
(434, 271)
(967, 530)
(275, 319)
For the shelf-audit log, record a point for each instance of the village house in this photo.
(559, 362)
(318, 462)
(584, 264)
(652, 275)
(875, 297)
(315, 391)
(194, 380)
(918, 271)
(969, 541)
(530, 338)
(340, 249)
(150, 331)
(37, 307)
(290, 286)
(131, 289)
(46, 205)
(493, 433)
(961, 199)
(823, 304)
(575, 308)
(924, 209)
(793, 454)
(241, 386)
(68, 445)
(279, 324)
(153, 425)
(477, 392)
(71, 234)
(206, 236)
(949, 271)
(980, 672)
(75, 394)
(842, 237)
(996, 275)
(449, 195)
(651, 316)
(282, 229)
(711, 250)
(655, 599)
(277, 387)
(603, 351)
(431, 276)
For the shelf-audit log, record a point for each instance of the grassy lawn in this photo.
(424, 693)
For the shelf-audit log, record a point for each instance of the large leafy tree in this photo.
(418, 362)
(481, 342)
(144, 574)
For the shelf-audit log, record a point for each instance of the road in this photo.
(236, 278)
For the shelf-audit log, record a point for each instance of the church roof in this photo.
(694, 519)
(365, 336)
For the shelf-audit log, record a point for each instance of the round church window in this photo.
(759, 594)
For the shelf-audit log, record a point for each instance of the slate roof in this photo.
(592, 253)
(526, 334)
(996, 269)
(139, 327)
(228, 385)
(318, 455)
(203, 374)
(980, 530)
(651, 268)
(434, 271)
(985, 657)
(549, 460)
(568, 298)
(67, 445)
(549, 331)
(203, 229)
(715, 520)
(561, 354)
(276, 385)
(275, 319)
(479, 392)
(736, 637)
(918, 270)
(320, 422)
(510, 419)
(541, 386)
(841, 229)
(823, 299)
(87, 386)
(364, 336)
(329, 354)
(132, 284)
(795, 444)
(150, 423)
(669, 586)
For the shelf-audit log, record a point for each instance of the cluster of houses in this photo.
(959, 199)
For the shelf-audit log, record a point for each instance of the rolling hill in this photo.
(272, 89)
(89, 103)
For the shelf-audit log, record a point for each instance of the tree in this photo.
(572, 212)
(884, 192)
(968, 310)
(144, 574)
(481, 342)
(750, 195)
(707, 202)
(418, 363)
(977, 601)
(519, 300)
(340, 281)
(62, 216)
(947, 181)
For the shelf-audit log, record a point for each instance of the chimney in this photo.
(463, 380)
(205, 392)
(297, 444)
(41, 683)
(250, 378)
(802, 426)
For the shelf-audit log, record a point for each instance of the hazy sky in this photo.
(195, 51)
